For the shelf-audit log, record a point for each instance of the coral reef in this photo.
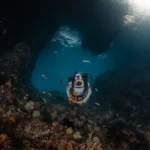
(29, 123)
(23, 121)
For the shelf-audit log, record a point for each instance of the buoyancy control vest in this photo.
(85, 77)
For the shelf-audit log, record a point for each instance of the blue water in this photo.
(64, 55)
(58, 60)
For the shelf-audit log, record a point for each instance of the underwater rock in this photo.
(90, 122)
(21, 105)
(69, 130)
(96, 140)
(54, 115)
(67, 122)
(109, 114)
(96, 129)
(73, 113)
(37, 105)
(75, 121)
(79, 123)
(89, 127)
(82, 118)
(28, 128)
(29, 106)
(45, 117)
(36, 114)
(77, 135)
(60, 108)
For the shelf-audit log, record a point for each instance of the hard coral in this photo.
(12, 119)
(3, 138)
(69, 130)
(5, 142)
(29, 106)
(71, 145)
(77, 135)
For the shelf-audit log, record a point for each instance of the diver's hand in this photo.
(70, 99)
(79, 102)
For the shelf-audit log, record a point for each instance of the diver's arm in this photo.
(88, 95)
(68, 89)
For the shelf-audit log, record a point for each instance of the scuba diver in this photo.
(78, 90)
